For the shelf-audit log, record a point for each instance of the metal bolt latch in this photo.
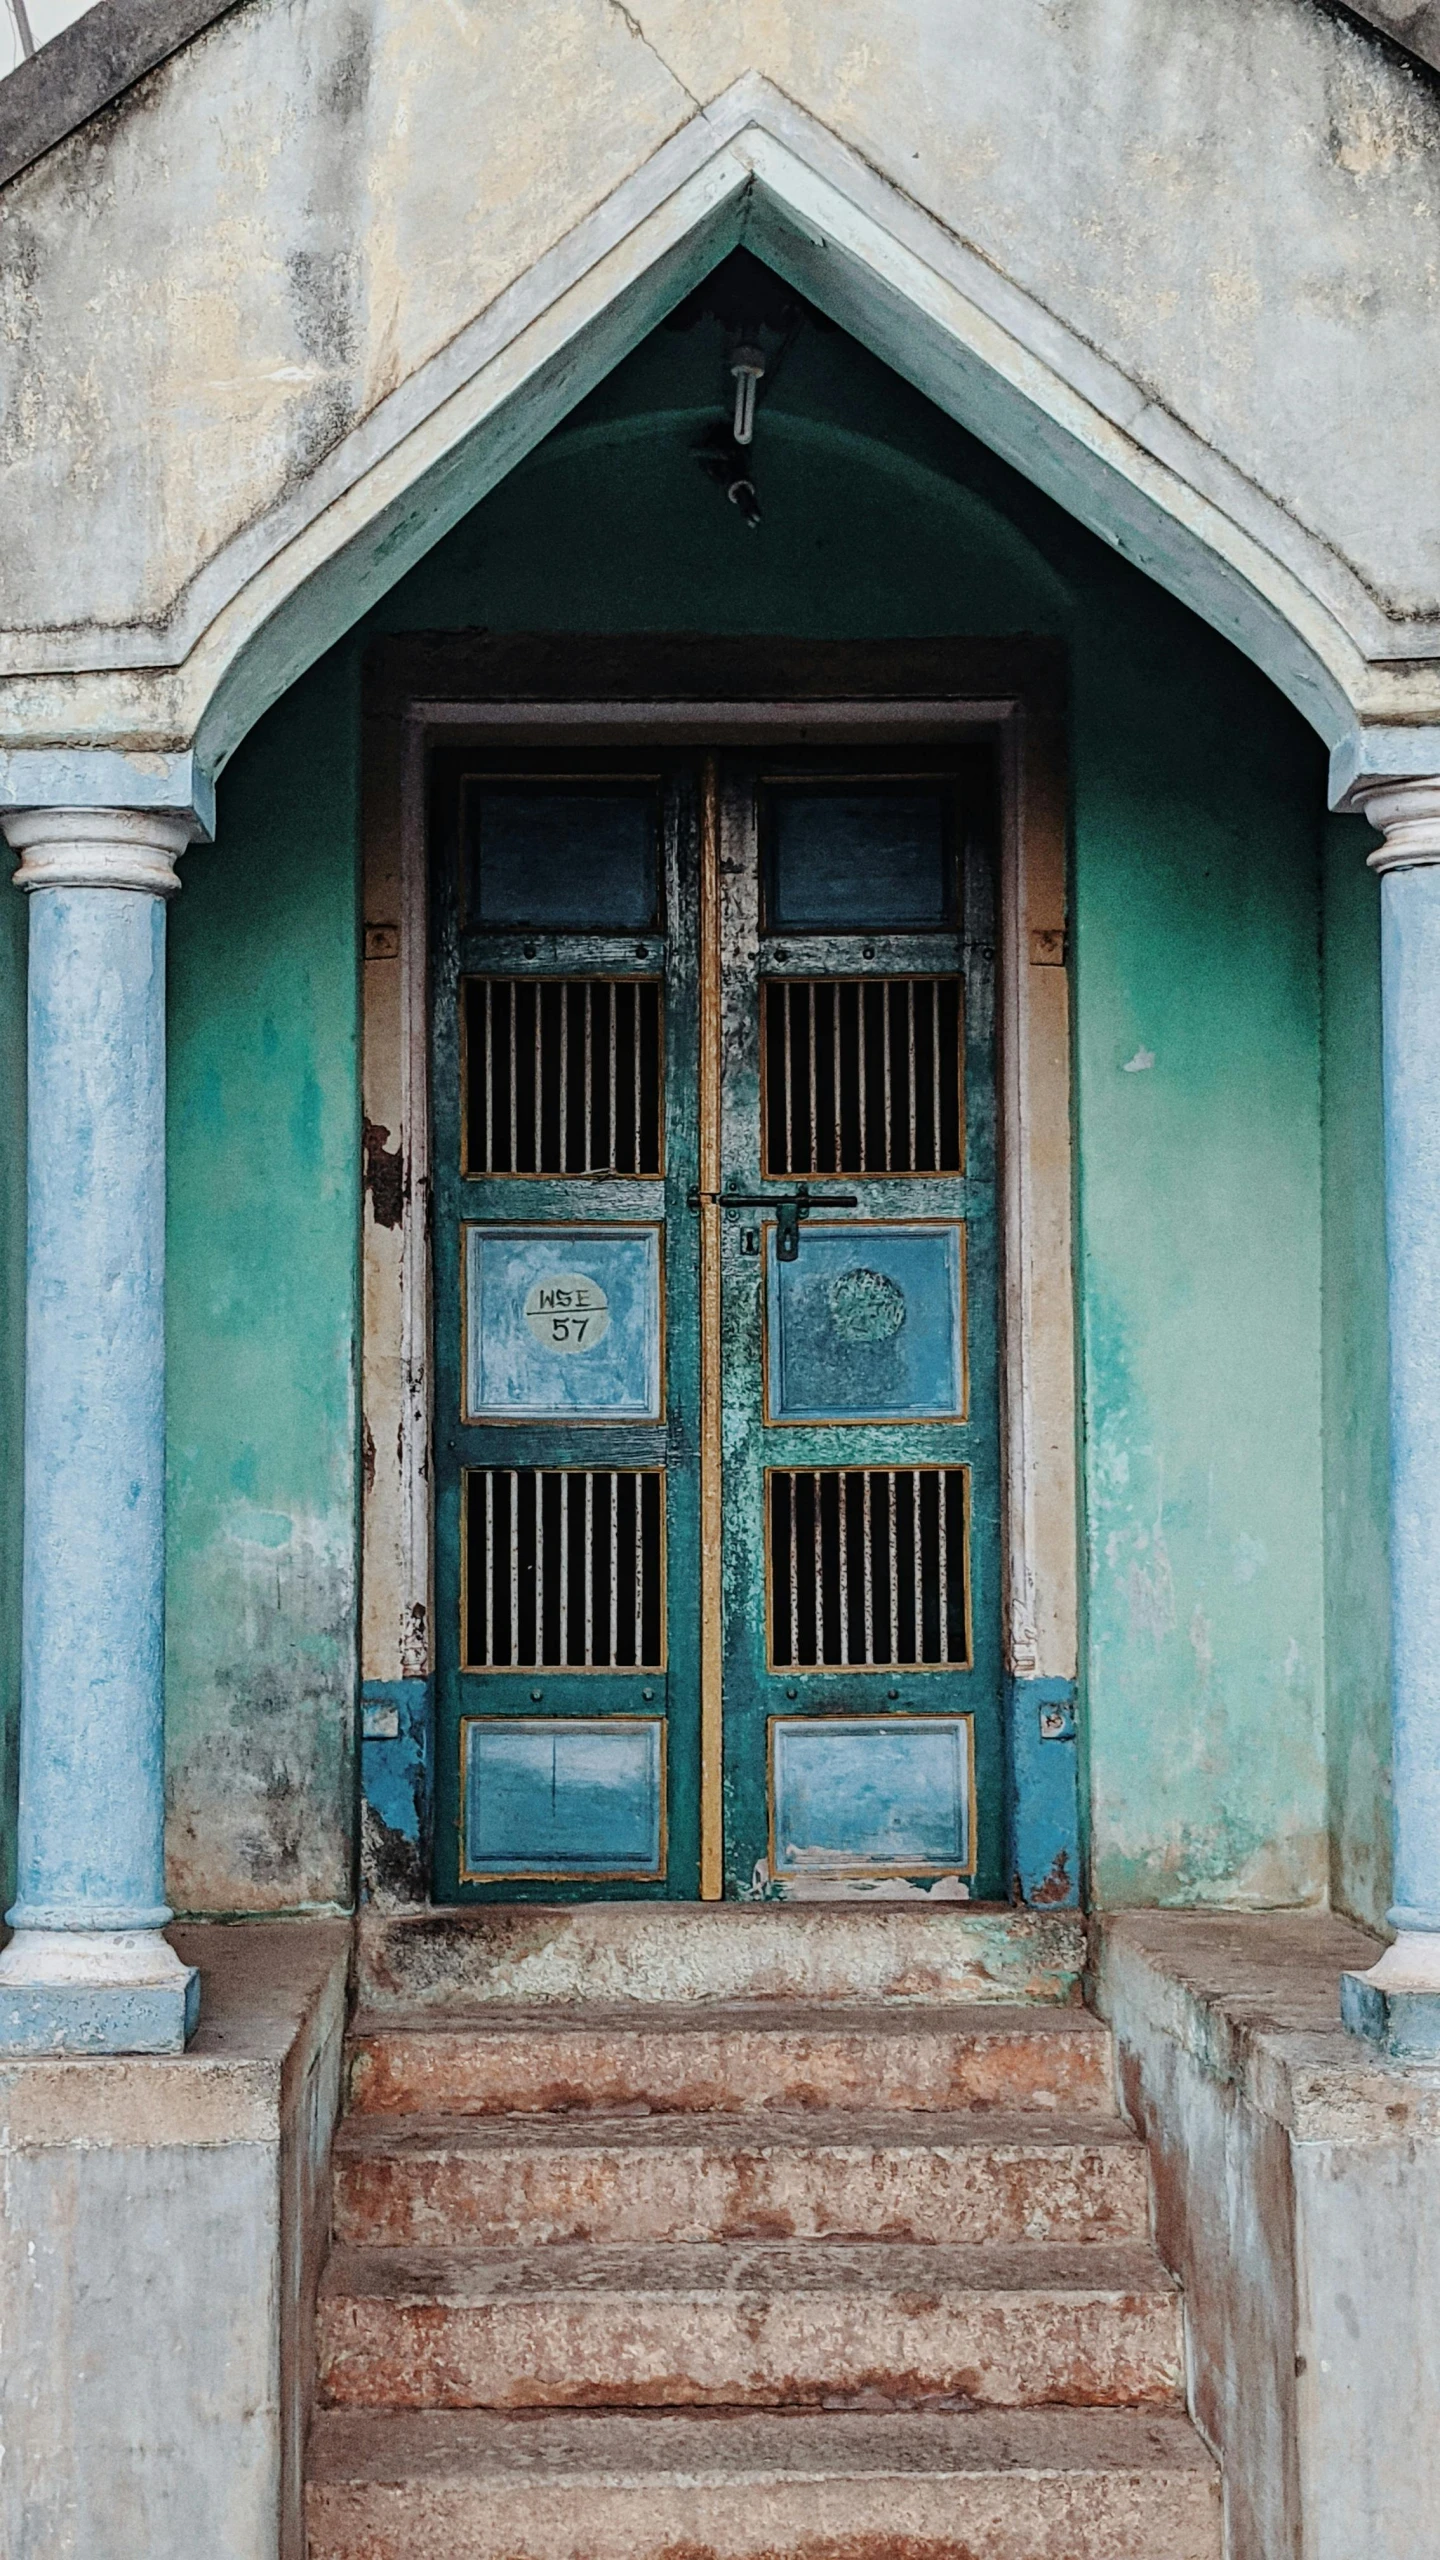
(789, 1207)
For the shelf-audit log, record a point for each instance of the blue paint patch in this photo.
(562, 1324)
(1404, 2024)
(856, 1795)
(1044, 1794)
(396, 1726)
(88, 2017)
(560, 1797)
(867, 1325)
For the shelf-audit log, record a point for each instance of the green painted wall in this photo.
(263, 1321)
(1207, 1376)
(1357, 1444)
(1198, 799)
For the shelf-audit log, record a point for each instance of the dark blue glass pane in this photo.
(571, 859)
(846, 860)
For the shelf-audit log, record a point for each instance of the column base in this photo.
(1396, 2005)
(66, 1991)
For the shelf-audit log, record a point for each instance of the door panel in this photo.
(862, 1669)
(715, 1324)
(566, 1348)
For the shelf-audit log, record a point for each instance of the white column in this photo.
(1398, 2001)
(88, 1970)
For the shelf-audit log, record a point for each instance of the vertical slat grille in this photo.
(564, 1569)
(868, 1567)
(863, 1075)
(563, 1075)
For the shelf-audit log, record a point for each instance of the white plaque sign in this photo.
(567, 1312)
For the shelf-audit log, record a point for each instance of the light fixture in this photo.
(747, 364)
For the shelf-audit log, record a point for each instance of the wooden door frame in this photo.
(695, 690)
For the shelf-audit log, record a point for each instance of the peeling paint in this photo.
(397, 1788)
(384, 1176)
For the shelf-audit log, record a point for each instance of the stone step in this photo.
(819, 2324)
(731, 2060)
(1053, 2484)
(912, 1950)
(423, 2182)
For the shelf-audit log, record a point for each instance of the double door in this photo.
(716, 1439)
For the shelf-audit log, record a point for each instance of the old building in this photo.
(719, 1265)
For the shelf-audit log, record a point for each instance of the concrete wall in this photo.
(1295, 2196)
(162, 2226)
(262, 1323)
(1186, 214)
(1357, 1435)
(1197, 799)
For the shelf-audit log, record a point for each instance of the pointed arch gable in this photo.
(750, 166)
(755, 168)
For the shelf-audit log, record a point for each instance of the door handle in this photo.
(789, 1207)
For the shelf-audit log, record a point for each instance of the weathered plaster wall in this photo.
(1357, 1438)
(264, 1204)
(1219, 205)
(1295, 2197)
(162, 2227)
(12, 1343)
(1197, 821)
(1198, 800)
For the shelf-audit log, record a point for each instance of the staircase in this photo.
(737, 2278)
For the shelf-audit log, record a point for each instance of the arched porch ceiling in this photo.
(1269, 503)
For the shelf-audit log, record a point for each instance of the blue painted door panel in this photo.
(863, 1711)
(861, 1675)
(565, 1283)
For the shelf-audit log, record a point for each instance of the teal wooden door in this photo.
(862, 1682)
(717, 1553)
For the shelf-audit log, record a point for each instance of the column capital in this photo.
(174, 783)
(1407, 815)
(97, 848)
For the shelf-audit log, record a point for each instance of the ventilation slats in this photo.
(868, 1567)
(862, 1075)
(564, 1568)
(563, 1076)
